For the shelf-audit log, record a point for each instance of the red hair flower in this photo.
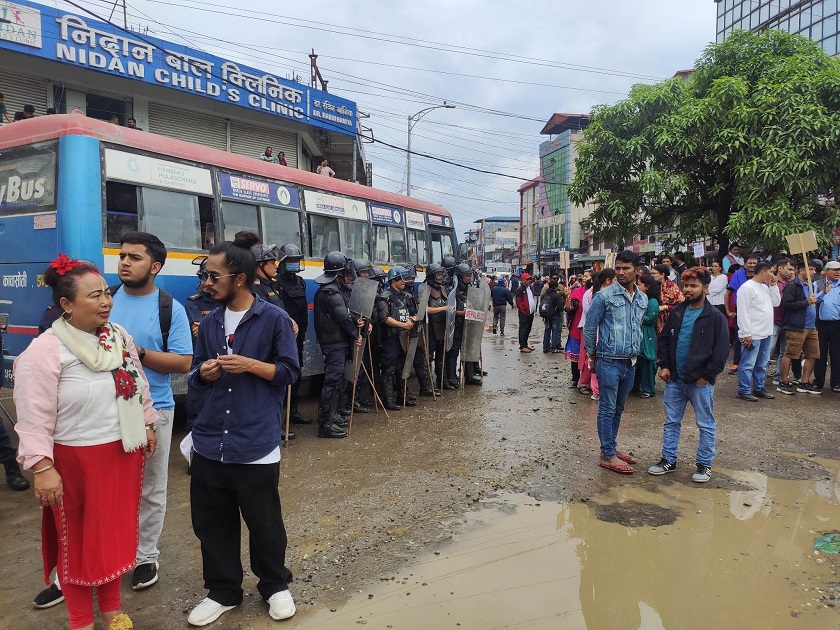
(125, 384)
(63, 264)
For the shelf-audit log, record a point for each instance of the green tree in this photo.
(748, 147)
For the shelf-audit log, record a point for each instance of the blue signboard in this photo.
(48, 33)
(386, 215)
(258, 191)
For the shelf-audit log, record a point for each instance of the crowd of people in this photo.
(626, 322)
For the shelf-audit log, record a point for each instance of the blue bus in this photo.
(74, 184)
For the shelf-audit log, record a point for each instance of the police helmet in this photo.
(290, 253)
(463, 269)
(379, 273)
(411, 273)
(335, 263)
(433, 269)
(397, 273)
(449, 263)
(265, 253)
(360, 265)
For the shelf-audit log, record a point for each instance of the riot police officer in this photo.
(336, 330)
(421, 368)
(197, 306)
(266, 257)
(449, 263)
(292, 290)
(393, 315)
(436, 311)
(465, 277)
(363, 269)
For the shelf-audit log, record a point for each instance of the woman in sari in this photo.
(645, 383)
(86, 423)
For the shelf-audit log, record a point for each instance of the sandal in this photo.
(621, 469)
(585, 390)
(627, 457)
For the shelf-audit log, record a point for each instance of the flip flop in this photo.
(627, 457)
(622, 469)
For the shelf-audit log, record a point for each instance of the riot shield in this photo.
(451, 307)
(362, 298)
(474, 315)
(418, 330)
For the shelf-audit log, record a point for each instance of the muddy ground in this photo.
(359, 510)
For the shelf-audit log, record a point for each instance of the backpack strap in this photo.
(165, 315)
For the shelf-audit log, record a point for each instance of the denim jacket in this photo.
(613, 327)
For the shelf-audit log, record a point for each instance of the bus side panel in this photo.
(80, 198)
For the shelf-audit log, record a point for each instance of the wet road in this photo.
(463, 477)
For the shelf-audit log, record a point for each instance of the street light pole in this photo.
(412, 120)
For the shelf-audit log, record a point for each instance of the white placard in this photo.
(334, 205)
(140, 169)
(699, 250)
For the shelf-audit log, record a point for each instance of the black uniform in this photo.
(394, 304)
(437, 327)
(267, 291)
(197, 306)
(336, 330)
(452, 355)
(292, 291)
(419, 361)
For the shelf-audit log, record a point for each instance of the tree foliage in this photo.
(747, 148)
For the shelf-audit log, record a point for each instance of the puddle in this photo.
(666, 555)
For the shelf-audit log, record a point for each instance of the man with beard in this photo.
(691, 352)
(137, 309)
(247, 357)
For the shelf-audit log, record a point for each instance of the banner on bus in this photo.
(436, 219)
(258, 191)
(141, 169)
(27, 179)
(415, 220)
(334, 205)
(386, 215)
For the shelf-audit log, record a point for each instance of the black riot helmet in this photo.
(434, 269)
(449, 263)
(335, 264)
(379, 273)
(362, 266)
(463, 269)
(290, 253)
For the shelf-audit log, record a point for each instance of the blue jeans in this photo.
(701, 398)
(615, 378)
(752, 368)
(551, 336)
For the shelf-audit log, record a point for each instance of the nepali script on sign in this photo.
(473, 315)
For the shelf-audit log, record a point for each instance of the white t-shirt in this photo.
(755, 309)
(717, 290)
(532, 303)
(326, 170)
(232, 321)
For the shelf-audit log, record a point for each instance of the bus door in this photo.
(418, 241)
(442, 238)
(28, 242)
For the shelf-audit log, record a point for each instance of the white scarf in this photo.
(111, 355)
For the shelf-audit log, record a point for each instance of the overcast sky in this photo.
(580, 53)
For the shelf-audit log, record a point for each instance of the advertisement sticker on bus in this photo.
(334, 205)
(258, 191)
(141, 169)
(415, 220)
(386, 215)
(435, 219)
(27, 179)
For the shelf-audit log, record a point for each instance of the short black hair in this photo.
(679, 256)
(132, 118)
(762, 266)
(800, 264)
(627, 256)
(50, 110)
(752, 256)
(154, 246)
(29, 109)
(784, 261)
(238, 258)
(663, 269)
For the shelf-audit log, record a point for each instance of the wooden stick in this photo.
(288, 412)
(428, 364)
(376, 401)
(463, 370)
(807, 264)
(355, 380)
(375, 393)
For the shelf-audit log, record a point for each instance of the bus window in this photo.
(121, 214)
(280, 226)
(354, 236)
(323, 235)
(172, 217)
(417, 248)
(208, 226)
(442, 246)
(381, 253)
(238, 217)
(396, 236)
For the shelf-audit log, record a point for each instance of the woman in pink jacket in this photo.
(86, 422)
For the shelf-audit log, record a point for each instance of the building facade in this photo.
(817, 19)
(66, 61)
(497, 243)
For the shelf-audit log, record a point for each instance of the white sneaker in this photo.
(281, 605)
(207, 612)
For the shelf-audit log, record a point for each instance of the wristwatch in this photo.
(141, 353)
(152, 426)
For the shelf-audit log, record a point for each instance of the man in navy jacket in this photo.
(246, 354)
(691, 351)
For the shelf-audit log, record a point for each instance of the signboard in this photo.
(335, 206)
(92, 45)
(386, 215)
(258, 191)
(140, 169)
(27, 179)
(415, 220)
(435, 219)
(699, 250)
(473, 315)
(802, 243)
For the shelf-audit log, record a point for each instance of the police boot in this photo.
(451, 377)
(390, 399)
(478, 370)
(427, 388)
(295, 416)
(410, 399)
(358, 407)
(327, 428)
(471, 378)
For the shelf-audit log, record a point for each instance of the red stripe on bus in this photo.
(22, 330)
